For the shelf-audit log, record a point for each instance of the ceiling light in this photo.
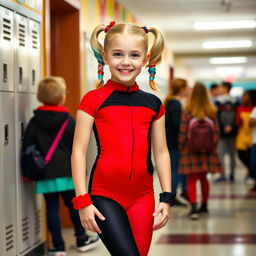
(227, 44)
(227, 60)
(235, 24)
(229, 70)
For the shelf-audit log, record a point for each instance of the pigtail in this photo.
(97, 50)
(155, 56)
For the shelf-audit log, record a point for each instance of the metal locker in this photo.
(36, 205)
(1, 186)
(21, 54)
(8, 177)
(34, 72)
(25, 190)
(6, 49)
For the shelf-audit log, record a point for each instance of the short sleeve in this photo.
(160, 113)
(88, 104)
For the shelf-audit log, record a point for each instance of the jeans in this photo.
(176, 177)
(53, 218)
(227, 146)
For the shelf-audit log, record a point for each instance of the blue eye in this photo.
(117, 54)
(135, 55)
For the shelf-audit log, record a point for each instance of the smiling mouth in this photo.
(125, 71)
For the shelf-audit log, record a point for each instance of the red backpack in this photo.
(201, 135)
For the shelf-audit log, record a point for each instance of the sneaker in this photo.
(203, 209)
(193, 215)
(56, 252)
(87, 243)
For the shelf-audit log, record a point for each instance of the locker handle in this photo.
(6, 134)
(5, 73)
(33, 77)
(21, 131)
(20, 75)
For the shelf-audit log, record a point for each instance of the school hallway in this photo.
(228, 230)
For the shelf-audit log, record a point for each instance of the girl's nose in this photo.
(125, 60)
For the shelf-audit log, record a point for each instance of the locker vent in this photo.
(37, 222)
(34, 39)
(22, 35)
(7, 29)
(25, 229)
(9, 242)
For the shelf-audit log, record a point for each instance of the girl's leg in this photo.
(191, 187)
(116, 230)
(204, 187)
(141, 219)
(53, 219)
(67, 197)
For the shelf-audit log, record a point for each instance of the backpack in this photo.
(33, 162)
(201, 135)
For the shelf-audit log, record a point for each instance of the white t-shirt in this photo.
(253, 115)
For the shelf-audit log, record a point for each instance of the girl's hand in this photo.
(164, 209)
(87, 217)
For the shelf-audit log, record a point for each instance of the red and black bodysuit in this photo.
(122, 174)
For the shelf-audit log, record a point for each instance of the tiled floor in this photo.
(228, 230)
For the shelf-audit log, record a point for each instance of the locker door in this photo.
(34, 51)
(21, 55)
(1, 186)
(36, 205)
(25, 190)
(6, 49)
(8, 177)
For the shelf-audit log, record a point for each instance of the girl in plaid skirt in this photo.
(197, 165)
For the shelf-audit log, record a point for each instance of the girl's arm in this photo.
(84, 123)
(163, 167)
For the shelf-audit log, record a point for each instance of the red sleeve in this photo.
(161, 112)
(88, 104)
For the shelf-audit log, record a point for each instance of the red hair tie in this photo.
(108, 27)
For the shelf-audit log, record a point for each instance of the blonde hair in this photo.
(199, 103)
(51, 90)
(175, 88)
(155, 53)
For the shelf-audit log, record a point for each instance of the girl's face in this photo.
(125, 56)
(246, 98)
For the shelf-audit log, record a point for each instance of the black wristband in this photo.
(167, 197)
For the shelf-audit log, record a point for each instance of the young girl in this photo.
(244, 134)
(119, 205)
(178, 91)
(57, 178)
(196, 165)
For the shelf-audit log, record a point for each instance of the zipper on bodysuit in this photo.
(130, 175)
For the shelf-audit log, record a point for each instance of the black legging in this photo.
(116, 231)
(245, 157)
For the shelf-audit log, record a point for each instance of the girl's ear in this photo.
(103, 54)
